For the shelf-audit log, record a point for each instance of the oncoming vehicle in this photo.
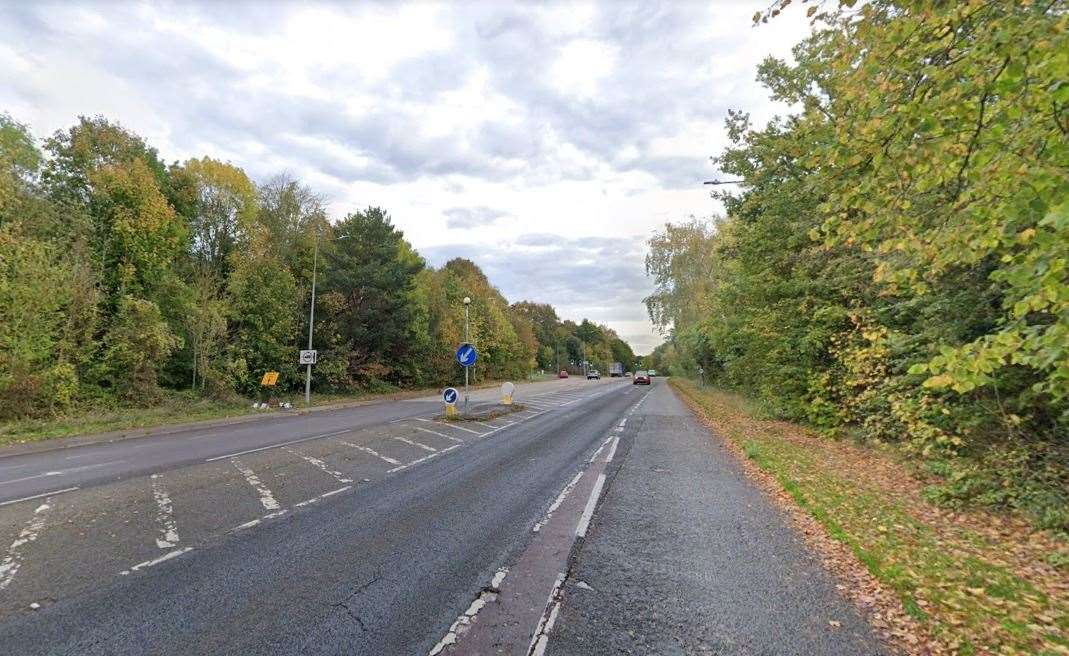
(652, 373)
(562, 374)
(593, 374)
(641, 378)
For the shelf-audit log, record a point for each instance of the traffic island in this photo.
(483, 412)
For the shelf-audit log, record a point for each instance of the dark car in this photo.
(641, 378)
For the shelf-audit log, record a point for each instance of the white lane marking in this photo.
(338, 476)
(588, 512)
(367, 449)
(467, 617)
(266, 497)
(558, 501)
(442, 423)
(622, 422)
(280, 444)
(168, 536)
(541, 633)
(156, 561)
(38, 496)
(600, 449)
(309, 502)
(246, 525)
(13, 560)
(481, 423)
(434, 432)
(612, 449)
(423, 459)
(61, 472)
(416, 444)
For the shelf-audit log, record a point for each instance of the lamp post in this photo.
(311, 318)
(467, 302)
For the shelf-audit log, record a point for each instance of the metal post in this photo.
(311, 324)
(466, 302)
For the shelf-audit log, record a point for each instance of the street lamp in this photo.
(467, 302)
(311, 318)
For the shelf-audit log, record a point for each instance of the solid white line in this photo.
(543, 640)
(156, 561)
(38, 496)
(483, 423)
(373, 452)
(280, 444)
(266, 497)
(433, 432)
(416, 444)
(622, 422)
(13, 560)
(168, 536)
(423, 459)
(612, 449)
(558, 501)
(338, 476)
(588, 512)
(442, 423)
(543, 622)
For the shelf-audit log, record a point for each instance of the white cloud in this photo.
(475, 125)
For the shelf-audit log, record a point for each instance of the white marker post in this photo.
(506, 393)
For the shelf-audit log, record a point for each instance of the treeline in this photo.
(122, 276)
(894, 262)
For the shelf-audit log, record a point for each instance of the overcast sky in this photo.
(544, 142)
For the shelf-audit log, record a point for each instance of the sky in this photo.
(545, 142)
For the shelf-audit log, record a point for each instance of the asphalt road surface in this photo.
(380, 530)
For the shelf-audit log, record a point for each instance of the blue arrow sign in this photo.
(449, 395)
(466, 355)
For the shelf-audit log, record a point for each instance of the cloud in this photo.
(471, 217)
(535, 128)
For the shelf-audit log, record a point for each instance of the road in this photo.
(380, 530)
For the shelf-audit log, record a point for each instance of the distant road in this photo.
(367, 530)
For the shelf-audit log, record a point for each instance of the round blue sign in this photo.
(449, 395)
(466, 355)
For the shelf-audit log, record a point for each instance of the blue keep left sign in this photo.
(449, 395)
(466, 355)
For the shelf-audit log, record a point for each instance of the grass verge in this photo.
(974, 582)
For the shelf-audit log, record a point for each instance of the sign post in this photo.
(449, 397)
(466, 356)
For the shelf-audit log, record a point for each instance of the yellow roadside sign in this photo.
(270, 379)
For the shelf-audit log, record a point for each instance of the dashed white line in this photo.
(280, 444)
(266, 497)
(38, 496)
(540, 637)
(168, 536)
(367, 449)
(442, 423)
(309, 502)
(423, 459)
(558, 501)
(416, 444)
(465, 619)
(338, 476)
(612, 449)
(588, 512)
(13, 560)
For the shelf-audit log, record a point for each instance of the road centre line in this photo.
(61, 472)
(279, 445)
(13, 560)
(156, 561)
(367, 449)
(38, 496)
(433, 432)
(416, 444)
(588, 512)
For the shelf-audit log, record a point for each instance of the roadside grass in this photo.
(180, 407)
(979, 582)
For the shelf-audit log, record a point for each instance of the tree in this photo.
(224, 211)
(374, 270)
(137, 344)
(262, 299)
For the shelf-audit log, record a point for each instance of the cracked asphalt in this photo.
(686, 556)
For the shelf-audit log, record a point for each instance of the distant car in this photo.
(641, 378)
(562, 374)
(652, 373)
(593, 374)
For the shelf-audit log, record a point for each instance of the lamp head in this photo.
(467, 301)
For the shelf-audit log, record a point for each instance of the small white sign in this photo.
(507, 389)
(308, 357)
